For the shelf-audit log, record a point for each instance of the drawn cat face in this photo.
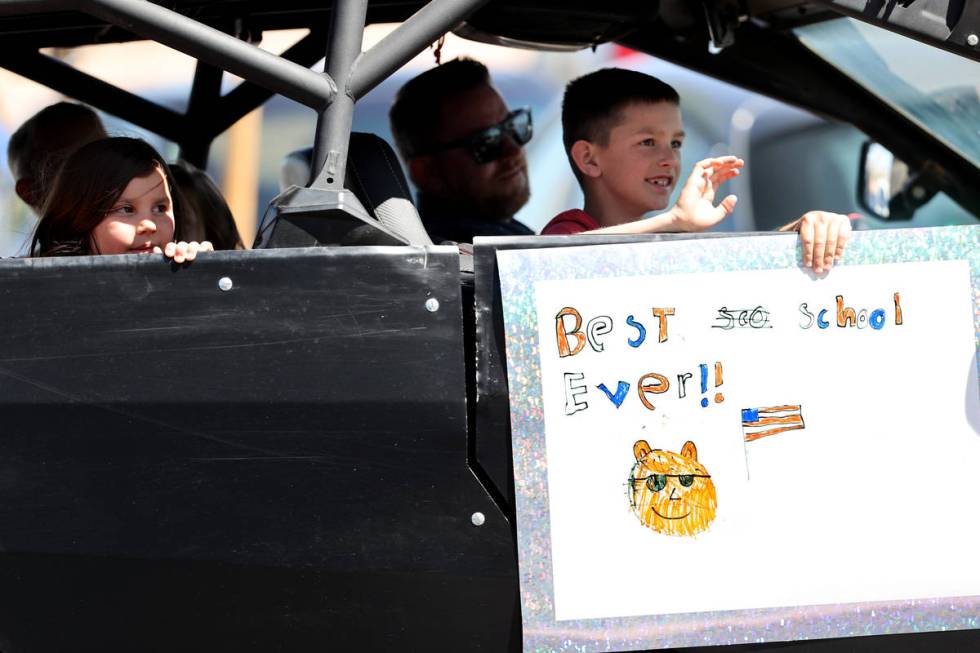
(670, 493)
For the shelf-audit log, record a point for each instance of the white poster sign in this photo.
(718, 443)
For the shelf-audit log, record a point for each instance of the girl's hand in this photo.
(184, 252)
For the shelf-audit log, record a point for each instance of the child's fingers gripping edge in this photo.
(833, 235)
(845, 235)
(819, 228)
(180, 252)
(805, 227)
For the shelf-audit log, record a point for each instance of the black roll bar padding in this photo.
(205, 90)
(17, 7)
(194, 131)
(74, 83)
(246, 97)
(332, 139)
(410, 38)
(217, 48)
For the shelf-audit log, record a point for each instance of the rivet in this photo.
(478, 519)
(972, 40)
(225, 283)
(432, 304)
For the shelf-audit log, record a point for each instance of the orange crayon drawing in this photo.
(758, 423)
(671, 493)
(662, 314)
(564, 350)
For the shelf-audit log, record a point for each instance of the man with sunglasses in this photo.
(463, 148)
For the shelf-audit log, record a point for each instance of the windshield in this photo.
(937, 89)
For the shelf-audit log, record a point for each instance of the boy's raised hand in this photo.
(695, 209)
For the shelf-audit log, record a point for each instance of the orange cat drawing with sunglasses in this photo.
(671, 493)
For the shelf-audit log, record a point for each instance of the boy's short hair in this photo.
(44, 135)
(593, 104)
(415, 113)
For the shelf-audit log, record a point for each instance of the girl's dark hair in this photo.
(205, 214)
(85, 189)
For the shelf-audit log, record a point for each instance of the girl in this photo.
(113, 196)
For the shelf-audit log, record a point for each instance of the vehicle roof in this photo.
(754, 48)
(577, 23)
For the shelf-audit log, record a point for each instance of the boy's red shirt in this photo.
(573, 221)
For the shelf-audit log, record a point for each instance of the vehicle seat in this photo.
(375, 177)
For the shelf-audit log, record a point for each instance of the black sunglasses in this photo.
(487, 144)
(657, 482)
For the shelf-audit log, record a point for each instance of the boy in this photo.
(38, 147)
(623, 134)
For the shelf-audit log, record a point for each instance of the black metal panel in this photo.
(282, 465)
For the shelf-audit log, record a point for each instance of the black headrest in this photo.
(375, 177)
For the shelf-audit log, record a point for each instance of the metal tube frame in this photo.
(72, 82)
(407, 40)
(247, 96)
(365, 70)
(357, 71)
(199, 41)
(217, 48)
(193, 131)
(205, 89)
(333, 127)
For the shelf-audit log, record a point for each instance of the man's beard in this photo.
(501, 203)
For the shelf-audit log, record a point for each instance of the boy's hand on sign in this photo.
(695, 209)
(823, 236)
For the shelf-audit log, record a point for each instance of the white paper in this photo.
(866, 503)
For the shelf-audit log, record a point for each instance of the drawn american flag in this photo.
(762, 422)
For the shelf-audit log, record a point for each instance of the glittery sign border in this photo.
(519, 271)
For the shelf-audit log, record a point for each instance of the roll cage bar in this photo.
(351, 73)
(266, 74)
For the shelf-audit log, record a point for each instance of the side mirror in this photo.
(887, 188)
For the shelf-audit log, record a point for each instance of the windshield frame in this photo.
(858, 50)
